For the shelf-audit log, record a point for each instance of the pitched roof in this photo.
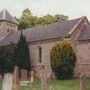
(4, 15)
(85, 33)
(51, 31)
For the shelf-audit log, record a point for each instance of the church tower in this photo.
(7, 23)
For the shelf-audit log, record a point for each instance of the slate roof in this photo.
(85, 33)
(4, 15)
(52, 31)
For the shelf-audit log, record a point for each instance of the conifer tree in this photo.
(22, 56)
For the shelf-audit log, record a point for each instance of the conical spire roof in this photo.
(4, 15)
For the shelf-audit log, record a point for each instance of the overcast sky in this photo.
(72, 8)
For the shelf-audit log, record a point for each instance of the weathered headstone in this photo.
(7, 82)
(23, 75)
(43, 77)
(50, 77)
(24, 81)
(32, 80)
(16, 78)
(83, 82)
(32, 77)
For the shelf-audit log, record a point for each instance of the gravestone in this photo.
(16, 78)
(83, 82)
(23, 75)
(43, 77)
(32, 80)
(50, 77)
(7, 82)
(29, 82)
(32, 77)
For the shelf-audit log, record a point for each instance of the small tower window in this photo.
(40, 54)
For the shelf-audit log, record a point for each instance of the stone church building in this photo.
(41, 39)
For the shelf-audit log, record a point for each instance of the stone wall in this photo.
(46, 48)
(34, 53)
(83, 58)
(11, 26)
(5, 27)
(82, 53)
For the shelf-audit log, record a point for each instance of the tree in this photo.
(63, 60)
(60, 18)
(28, 20)
(22, 56)
(6, 59)
(27, 12)
(47, 19)
(25, 20)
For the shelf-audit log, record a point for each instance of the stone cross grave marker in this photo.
(83, 82)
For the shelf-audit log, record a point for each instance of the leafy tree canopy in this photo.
(28, 20)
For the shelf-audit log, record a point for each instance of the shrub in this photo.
(63, 60)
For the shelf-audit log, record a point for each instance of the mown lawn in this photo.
(60, 85)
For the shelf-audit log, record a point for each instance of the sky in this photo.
(71, 8)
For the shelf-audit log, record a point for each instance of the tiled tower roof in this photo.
(5, 16)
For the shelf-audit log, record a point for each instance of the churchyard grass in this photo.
(72, 84)
(0, 84)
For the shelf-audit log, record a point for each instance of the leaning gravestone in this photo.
(83, 82)
(7, 82)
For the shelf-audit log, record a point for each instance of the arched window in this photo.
(40, 54)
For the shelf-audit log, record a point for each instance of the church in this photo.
(41, 39)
